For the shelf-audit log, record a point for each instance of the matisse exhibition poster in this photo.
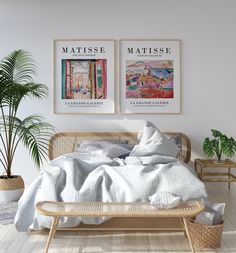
(84, 76)
(150, 76)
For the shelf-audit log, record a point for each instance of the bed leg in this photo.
(52, 232)
(188, 235)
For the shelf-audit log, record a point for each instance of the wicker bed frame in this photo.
(62, 143)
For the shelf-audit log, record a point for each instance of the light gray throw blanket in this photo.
(83, 177)
(150, 173)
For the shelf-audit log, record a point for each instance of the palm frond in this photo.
(4, 85)
(37, 90)
(35, 134)
(14, 93)
(8, 121)
(18, 66)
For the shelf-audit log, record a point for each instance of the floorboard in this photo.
(123, 242)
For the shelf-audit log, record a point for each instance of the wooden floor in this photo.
(128, 242)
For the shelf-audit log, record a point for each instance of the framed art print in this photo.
(150, 76)
(84, 76)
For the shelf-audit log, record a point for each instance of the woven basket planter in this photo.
(205, 236)
(11, 189)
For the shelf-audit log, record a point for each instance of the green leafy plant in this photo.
(16, 83)
(220, 144)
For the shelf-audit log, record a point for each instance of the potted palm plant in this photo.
(220, 144)
(16, 83)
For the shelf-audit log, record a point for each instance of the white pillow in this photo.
(152, 141)
(90, 141)
(165, 200)
(104, 148)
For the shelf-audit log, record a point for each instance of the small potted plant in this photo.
(16, 84)
(220, 144)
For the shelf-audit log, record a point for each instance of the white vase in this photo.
(11, 189)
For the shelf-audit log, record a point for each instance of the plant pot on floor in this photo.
(11, 189)
(16, 83)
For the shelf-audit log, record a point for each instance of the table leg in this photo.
(188, 235)
(229, 177)
(195, 166)
(201, 173)
(52, 232)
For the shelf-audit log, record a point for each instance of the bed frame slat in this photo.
(65, 142)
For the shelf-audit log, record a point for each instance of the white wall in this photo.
(205, 27)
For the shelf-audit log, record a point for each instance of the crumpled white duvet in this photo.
(81, 177)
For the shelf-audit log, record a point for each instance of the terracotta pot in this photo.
(11, 189)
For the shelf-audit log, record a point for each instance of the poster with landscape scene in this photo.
(150, 75)
(149, 79)
(84, 76)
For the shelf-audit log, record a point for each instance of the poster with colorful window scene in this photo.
(150, 76)
(84, 76)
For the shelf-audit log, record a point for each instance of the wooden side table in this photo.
(221, 176)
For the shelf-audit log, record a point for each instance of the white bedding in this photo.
(93, 177)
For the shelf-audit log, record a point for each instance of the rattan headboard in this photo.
(62, 143)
